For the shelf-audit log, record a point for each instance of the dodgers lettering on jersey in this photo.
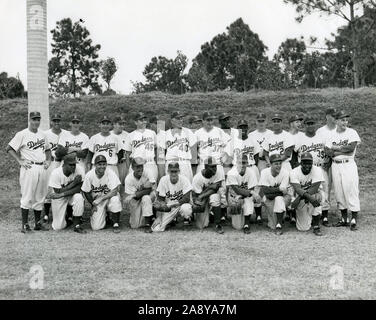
(343, 139)
(59, 180)
(211, 143)
(268, 180)
(246, 181)
(178, 146)
(173, 192)
(260, 137)
(73, 142)
(141, 144)
(53, 139)
(247, 147)
(306, 180)
(108, 146)
(100, 186)
(32, 146)
(278, 143)
(315, 146)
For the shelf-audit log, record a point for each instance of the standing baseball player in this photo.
(31, 150)
(341, 147)
(207, 194)
(330, 126)
(65, 190)
(75, 141)
(195, 123)
(118, 130)
(101, 189)
(314, 143)
(53, 136)
(242, 181)
(306, 180)
(159, 127)
(295, 123)
(274, 183)
(142, 143)
(139, 188)
(173, 198)
(106, 144)
(260, 135)
(179, 143)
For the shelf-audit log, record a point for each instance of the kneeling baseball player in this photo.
(173, 198)
(139, 188)
(242, 181)
(307, 182)
(101, 189)
(65, 190)
(274, 183)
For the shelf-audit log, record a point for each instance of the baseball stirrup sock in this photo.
(325, 213)
(258, 211)
(25, 216)
(116, 217)
(37, 215)
(47, 207)
(354, 215)
(344, 214)
(247, 220)
(217, 214)
(76, 221)
(315, 221)
(279, 217)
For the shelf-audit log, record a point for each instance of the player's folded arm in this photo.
(186, 198)
(241, 191)
(69, 190)
(271, 192)
(144, 192)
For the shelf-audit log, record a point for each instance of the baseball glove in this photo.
(161, 206)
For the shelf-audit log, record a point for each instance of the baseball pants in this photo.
(122, 169)
(327, 186)
(139, 209)
(278, 205)
(185, 169)
(164, 218)
(247, 208)
(346, 185)
(54, 164)
(34, 189)
(98, 217)
(305, 212)
(59, 209)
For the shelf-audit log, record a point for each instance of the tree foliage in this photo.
(108, 68)
(10, 87)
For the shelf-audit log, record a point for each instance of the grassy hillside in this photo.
(360, 103)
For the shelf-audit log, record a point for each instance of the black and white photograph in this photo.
(186, 150)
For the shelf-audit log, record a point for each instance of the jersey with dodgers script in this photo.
(100, 186)
(306, 180)
(278, 143)
(211, 143)
(73, 142)
(315, 146)
(108, 146)
(142, 144)
(178, 144)
(59, 180)
(343, 139)
(53, 139)
(247, 147)
(173, 191)
(246, 181)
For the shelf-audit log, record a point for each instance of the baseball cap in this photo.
(173, 166)
(275, 157)
(119, 119)
(34, 115)
(331, 111)
(75, 118)
(176, 115)
(140, 115)
(56, 116)
(138, 161)
(308, 119)
(208, 115)
(242, 122)
(306, 156)
(295, 118)
(261, 116)
(224, 116)
(100, 158)
(277, 116)
(70, 159)
(342, 114)
(105, 119)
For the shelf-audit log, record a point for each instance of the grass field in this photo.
(186, 263)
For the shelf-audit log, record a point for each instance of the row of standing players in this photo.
(322, 158)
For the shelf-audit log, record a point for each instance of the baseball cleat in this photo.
(287, 218)
(293, 221)
(45, 219)
(219, 229)
(246, 229)
(259, 220)
(116, 228)
(79, 229)
(40, 227)
(69, 223)
(353, 227)
(187, 222)
(148, 230)
(325, 222)
(278, 231)
(340, 224)
(317, 232)
(26, 229)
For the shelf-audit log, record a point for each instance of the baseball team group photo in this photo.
(245, 173)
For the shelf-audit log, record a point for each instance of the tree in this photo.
(269, 76)
(199, 79)
(163, 74)
(10, 87)
(232, 58)
(108, 68)
(74, 67)
(346, 9)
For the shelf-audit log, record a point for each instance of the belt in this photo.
(37, 163)
(178, 159)
(341, 161)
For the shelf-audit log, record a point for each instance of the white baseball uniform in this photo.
(305, 211)
(122, 167)
(345, 171)
(107, 146)
(32, 147)
(142, 144)
(139, 208)
(279, 204)
(178, 144)
(277, 144)
(75, 143)
(99, 187)
(59, 180)
(172, 193)
(260, 137)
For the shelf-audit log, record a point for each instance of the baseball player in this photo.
(195, 123)
(118, 130)
(341, 147)
(245, 145)
(314, 143)
(207, 194)
(139, 188)
(101, 189)
(76, 141)
(142, 143)
(53, 136)
(330, 126)
(65, 190)
(306, 180)
(260, 135)
(178, 144)
(242, 181)
(274, 183)
(173, 198)
(159, 127)
(31, 150)
(295, 124)
(106, 144)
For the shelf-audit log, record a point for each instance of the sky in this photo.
(134, 31)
